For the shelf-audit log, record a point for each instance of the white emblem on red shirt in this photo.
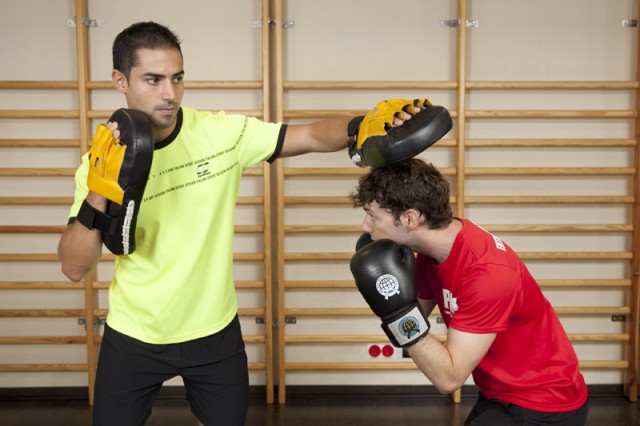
(450, 302)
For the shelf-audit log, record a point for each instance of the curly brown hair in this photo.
(411, 184)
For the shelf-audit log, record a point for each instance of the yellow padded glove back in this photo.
(379, 121)
(105, 159)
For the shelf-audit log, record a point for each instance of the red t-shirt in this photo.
(484, 287)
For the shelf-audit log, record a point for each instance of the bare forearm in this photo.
(435, 361)
(80, 248)
(320, 136)
(331, 134)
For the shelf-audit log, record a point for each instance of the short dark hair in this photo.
(411, 184)
(141, 35)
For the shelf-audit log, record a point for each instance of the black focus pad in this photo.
(403, 142)
(136, 134)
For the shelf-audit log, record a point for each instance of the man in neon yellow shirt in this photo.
(172, 304)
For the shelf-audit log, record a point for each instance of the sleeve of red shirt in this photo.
(486, 299)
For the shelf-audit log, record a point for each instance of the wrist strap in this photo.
(352, 133)
(93, 218)
(354, 125)
(407, 330)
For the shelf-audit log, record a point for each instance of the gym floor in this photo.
(325, 410)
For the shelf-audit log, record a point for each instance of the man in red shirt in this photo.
(500, 327)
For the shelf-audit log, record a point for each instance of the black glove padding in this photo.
(384, 273)
(363, 240)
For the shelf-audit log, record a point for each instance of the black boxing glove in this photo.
(384, 273)
(363, 240)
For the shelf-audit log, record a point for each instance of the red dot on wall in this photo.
(374, 350)
(388, 350)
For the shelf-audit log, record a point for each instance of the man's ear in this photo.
(413, 218)
(119, 81)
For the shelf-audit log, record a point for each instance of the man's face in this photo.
(155, 86)
(380, 223)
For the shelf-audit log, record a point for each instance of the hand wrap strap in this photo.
(93, 218)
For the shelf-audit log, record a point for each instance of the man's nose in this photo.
(366, 227)
(168, 91)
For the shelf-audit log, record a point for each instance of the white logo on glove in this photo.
(387, 285)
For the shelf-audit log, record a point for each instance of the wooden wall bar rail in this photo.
(40, 143)
(485, 199)
(363, 338)
(42, 285)
(478, 171)
(452, 85)
(556, 255)
(67, 201)
(328, 366)
(38, 85)
(42, 340)
(349, 284)
(52, 114)
(357, 312)
(548, 114)
(476, 114)
(515, 228)
(195, 84)
(576, 143)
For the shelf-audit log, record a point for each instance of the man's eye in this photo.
(152, 80)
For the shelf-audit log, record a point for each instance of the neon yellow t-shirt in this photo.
(178, 284)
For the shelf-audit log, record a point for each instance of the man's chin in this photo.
(164, 121)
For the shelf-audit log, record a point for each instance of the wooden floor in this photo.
(340, 410)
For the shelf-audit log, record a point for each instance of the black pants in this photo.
(130, 374)
(493, 412)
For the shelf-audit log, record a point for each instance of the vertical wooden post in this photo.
(84, 123)
(279, 109)
(631, 382)
(461, 65)
(266, 191)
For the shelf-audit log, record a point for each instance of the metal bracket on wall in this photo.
(628, 23)
(260, 320)
(87, 22)
(452, 23)
(98, 322)
(287, 320)
(286, 24)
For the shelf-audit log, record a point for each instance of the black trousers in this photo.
(493, 412)
(130, 374)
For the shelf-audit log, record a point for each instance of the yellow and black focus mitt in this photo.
(374, 141)
(119, 170)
